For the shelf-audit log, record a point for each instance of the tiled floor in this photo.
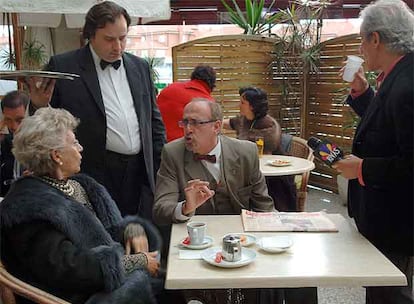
(318, 200)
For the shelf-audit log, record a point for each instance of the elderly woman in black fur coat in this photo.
(62, 232)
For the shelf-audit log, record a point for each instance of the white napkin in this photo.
(189, 254)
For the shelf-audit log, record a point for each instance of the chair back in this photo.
(299, 148)
(10, 285)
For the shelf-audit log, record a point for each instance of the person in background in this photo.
(255, 121)
(122, 132)
(380, 168)
(172, 100)
(13, 107)
(62, 232)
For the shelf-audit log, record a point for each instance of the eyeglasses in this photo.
(193, 122)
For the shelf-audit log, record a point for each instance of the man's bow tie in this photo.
(209, 158)
(115, 64)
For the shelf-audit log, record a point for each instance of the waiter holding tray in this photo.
(120, 125)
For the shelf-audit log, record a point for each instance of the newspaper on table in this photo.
(287, 221)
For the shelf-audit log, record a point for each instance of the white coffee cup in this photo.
(196, 232)
(352, 66)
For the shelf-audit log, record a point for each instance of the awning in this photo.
(49, 13)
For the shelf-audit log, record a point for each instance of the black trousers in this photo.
(282, 190)
(394, 294)
(126, 180)
(308, 295)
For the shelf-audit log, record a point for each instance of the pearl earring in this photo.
(60, 163)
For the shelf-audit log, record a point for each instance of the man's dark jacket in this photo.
(6, 164)
(383, 208)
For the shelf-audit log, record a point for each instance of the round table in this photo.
(297, 165)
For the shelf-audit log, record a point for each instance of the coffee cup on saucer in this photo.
(196, 232)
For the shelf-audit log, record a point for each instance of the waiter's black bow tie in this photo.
(209, 158)
(115, 64)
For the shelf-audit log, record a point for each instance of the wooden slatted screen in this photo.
(327, 115)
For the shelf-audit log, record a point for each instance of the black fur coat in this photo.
(58, 245)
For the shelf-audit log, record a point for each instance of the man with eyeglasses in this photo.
(207, 173)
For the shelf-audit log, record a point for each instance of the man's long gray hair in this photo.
(393, 21)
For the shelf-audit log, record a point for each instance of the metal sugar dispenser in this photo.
(232, 249)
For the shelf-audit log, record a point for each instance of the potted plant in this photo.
(256, 20)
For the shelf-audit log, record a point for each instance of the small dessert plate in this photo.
(209, 255)
(246, 239)
(275, 244)
(208, 241)
(279, 163)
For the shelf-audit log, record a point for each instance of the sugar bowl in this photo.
(232, 250)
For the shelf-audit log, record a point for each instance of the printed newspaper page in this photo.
(287, 221)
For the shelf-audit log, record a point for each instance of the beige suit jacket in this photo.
(240, 166)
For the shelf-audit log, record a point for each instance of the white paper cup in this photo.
(352, 66)
(196, 232)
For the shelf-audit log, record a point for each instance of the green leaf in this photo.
(239, 12)
(249, 11)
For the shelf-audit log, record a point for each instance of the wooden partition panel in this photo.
(327, 115)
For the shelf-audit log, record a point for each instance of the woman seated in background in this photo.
(62, 232)
(254, 122)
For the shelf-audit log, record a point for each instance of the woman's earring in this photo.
(60, 163)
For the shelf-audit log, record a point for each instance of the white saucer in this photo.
(208, 241)
(209, 255)
(250, 238)
(275, 244)
(283, 162)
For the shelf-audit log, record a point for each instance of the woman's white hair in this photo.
(39, 135)
(393, 21)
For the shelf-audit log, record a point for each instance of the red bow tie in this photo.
(209, 158)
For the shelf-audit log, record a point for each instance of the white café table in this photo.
(297, 165)
(343, 258)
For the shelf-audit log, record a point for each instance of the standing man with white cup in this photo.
(380, 169)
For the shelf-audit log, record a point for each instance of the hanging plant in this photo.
(8, 59)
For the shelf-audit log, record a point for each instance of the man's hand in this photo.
(348, 167)
(360, 83)
(136, 244)
(41, 90)
(197, 193)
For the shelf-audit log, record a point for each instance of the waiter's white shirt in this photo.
(122, 128)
